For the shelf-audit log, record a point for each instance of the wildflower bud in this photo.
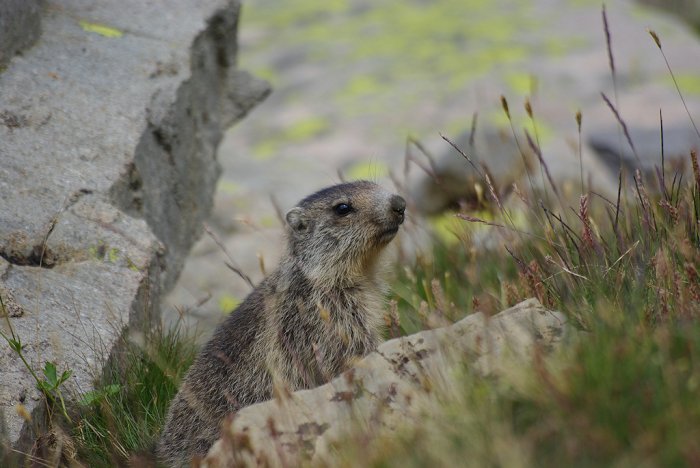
(696, 168)
(655, 37)
(504, 104)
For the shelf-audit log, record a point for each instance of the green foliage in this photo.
(447, 285)
(50, 384)
(51, 380)
(630, 393)
(624, 394)
(97, 396)
(126, 411)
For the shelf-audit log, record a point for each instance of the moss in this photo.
(113, 255)
(367, 170)
(305, 129)
(227, 303)
(228, 187)
(101, 29)
(269, 221)
(521, 83)
(363, 85)
(560, 46)
(432, 48)
(688, 83)
(265, 149)
(521, 121)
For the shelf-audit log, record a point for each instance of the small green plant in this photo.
(95, 397)
(50, 383)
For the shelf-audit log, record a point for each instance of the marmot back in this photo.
(302, 326)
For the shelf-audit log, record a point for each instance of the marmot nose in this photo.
(398, 205)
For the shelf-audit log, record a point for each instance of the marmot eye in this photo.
(342, 209)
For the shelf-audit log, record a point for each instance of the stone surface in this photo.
(20, 26)
(388, 387)
(108, 142)
(354, 79)
(646, 156)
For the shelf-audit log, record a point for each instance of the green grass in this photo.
(626, 394)
(625, 398)
(126, 412)
(450, 283)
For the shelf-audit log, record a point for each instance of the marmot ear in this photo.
(296, 220)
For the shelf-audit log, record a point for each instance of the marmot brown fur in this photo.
(302, 325)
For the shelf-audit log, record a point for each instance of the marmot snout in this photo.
(303, 325)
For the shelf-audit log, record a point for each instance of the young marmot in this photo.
(302, 325)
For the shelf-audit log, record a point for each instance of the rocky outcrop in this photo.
(109, 126)
(388, 387)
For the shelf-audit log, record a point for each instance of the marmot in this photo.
(303, 325)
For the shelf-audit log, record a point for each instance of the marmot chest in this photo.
(325, 333)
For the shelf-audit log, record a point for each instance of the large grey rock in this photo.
(108, 164)
(387, 388)
(20, 26)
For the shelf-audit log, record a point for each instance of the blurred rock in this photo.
(457, 181)
(387, 388)
(613, 149)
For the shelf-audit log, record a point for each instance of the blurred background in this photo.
(353, 81)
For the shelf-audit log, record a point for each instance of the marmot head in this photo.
(336, 234)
